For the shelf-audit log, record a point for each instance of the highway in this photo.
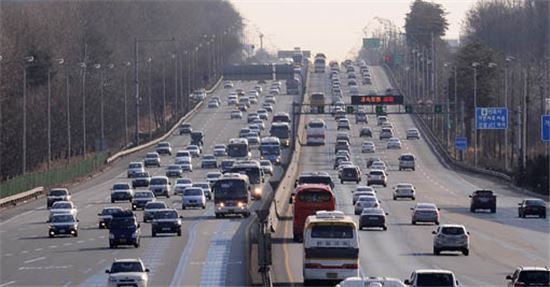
(210, 252)
(498, 242)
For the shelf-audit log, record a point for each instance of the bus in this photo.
(231, 195)
(315, 132)
(281, 130)
(270, 149)
(319, 64)
(281, 117)
(316, 177)
(253, 170)
(331, 248)
(238, 149)
(316, 101)
(308, 199)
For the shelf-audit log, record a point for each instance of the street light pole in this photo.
(67, 93)
(150, 95)
(126, 103)
(83, 66)
(136, 83)
(164, 95)
(474, 65)
(49, 119)
(506, 148)
(28, 59)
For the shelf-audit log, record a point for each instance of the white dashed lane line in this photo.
(34, 260)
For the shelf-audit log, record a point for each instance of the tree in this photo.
(424, 21)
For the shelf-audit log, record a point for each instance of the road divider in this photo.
(23, 196)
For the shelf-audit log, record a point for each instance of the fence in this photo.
(52, 177)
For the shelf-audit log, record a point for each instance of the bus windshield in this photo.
(332, 231)
(314, 196)
(282, 132)
(237, 150)
(270, 150)
(253, 172)
(230, 189)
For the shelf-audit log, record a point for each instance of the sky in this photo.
(332, 27)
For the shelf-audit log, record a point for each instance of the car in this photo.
(198, 95)
(377, 176)
(255, 129)
(209, 161)
(141, 179)
(349, 173)
(372, 160)
(193, 197)
(181, 184)
(532, 206)
(341, 145)
(451, 237)
(413, 133)
(226, 164)
(151, 207)
(367, 81)
(242, 107)
(134, 168)
(404, 190)
(343, 124)
(243, 132)
(253, 99)
(378, 165)
(393, 143)
(205, 187)
(529, 276)
(174, 170)
(185, 128)
(164, 148)
(220, 150)
(212, 177)
(166, 221)
(269, 99)
(386, 133)
(266, 166)
(194, 150)
(253, 139)
(130, 272)
(106, 215)
(63, 224)
(185, 163)
(152, 158)
(373, 217)
(365, 132)
(236, 114)
(357, 194)
(63, 207)
(274, 91)
(343, 164)
(380, 120)
(483, 199)
(387, 124)
(425, 212)
(57, 194)
(371, 282)
(258, 88)
(124, 230)
(259, 123)
(268, 107)
(245, 100)
(406, 161)
(339, 159)
(213, 104)
(121, 191)
(263, 114)
(368, 147)
(160, 186)
(228, 85)
(432, 277)
(343, 136)
(365, 201)
(182, 154)
(141, 198)
(232, 100)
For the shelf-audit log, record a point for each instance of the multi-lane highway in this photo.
(210, 252)
(499, 242)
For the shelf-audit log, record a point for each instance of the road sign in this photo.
(545, 127)
(461, 143)
(377, 100)
(438, 109)
(408, 109)
(491, 118)
(349, 109)
(371, 43)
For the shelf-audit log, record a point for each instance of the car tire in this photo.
(341, 181)
(466, 251)
(133, 208)
(385, 185)
(112, 245)
(437, 223)
(112, 201)
(183, 207)
(136, 245)
(472, 210)
(413, 222)
(436, 251)
(543, 215)
(203, 206)
(51, 235)
(385, 228)
(493, 210)
(217, 215)
(154, 234)
(179, 232)
(75, 234)
(394, 198)
(413, 198)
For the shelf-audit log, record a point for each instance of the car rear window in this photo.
(193, 191)
(121, 186)
(535, 277)
(58, 192)
(452, 230)
(407, 157)
(332, 231)
(435, 279)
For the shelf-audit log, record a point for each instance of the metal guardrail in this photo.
(35, 192)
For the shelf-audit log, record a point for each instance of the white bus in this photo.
(315, 132)
(319, 65)
(331, 247)
(238, 149)
(270, 149)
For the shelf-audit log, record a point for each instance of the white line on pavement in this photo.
(34, 260)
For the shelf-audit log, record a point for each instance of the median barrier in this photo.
(23, 196)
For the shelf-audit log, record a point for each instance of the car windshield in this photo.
(163, 145)
(123, 222)
(155, 205)
(268, 149)
(169, 214)
(202, 185)
(280, 131)
(183, 181)
(156, 181)
(58, 192)
(213, 175)
(435, 279)
(119, 267)
(376, 173)
(135, 165)
(110, 211)
(407, 157)
(265, 163)
(332, 231)
(366, 198)
(151, 156)
(541, 277)
(534, 202)
(452, 230)
(208, 157)
(63, 218)
(142, 174)
(61, 205)
(193, 191)
(174, 167)
(121, 186)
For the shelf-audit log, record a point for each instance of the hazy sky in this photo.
(331, 26)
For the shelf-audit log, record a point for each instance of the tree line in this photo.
(67, 73)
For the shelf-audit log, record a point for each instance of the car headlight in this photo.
(257, 190)
(134, 235)
(240, 204)
(221, 205)
(141, 279)
(111, 236)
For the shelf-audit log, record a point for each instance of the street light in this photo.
(149, 60)
(26, 60)
(506, 146)
(126, 64)
(475, 65)
(59, 61)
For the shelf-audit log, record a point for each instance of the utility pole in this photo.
(524, 123)
(49, 119)
(136, 82)
(475, 65)
(164, 95)
(67, 95)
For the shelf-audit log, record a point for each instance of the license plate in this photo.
(62, 230)
(122, 240)
(166, 228)
(373, 218)
(231, 210)
(331, 275)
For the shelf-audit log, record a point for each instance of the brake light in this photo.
(519, 284)
(350, 266)
(313, 266)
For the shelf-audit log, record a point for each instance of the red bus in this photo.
(308, 199)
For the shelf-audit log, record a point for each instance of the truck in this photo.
(483, 199)
(294, 86)
(316, 101)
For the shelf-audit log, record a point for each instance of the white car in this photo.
(368, 147)
(205, 187)
(220, 150)
(213, 104)
(365, 201)
(182, 154)
(371, 282)
(263, 114)
(259, 123)
(232, 100)
(378, 165)
(343, 124)
(270, 100)
(274, 91)
(413, 133)
(377, 176)
(236, 115)
(418, 277)
(194, 150)
(193, 197)
(121, 191)
(209, 161)
(394, 143)
(259, 89)
(228, 85)
(127, 272)
(182, 184)
(213, 176)
(135, 167)
(357, 194)
(185, 163)
(268, 107)
(266, 166)
(60, 207)
(406, 190)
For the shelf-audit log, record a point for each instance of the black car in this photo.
(141, 198)
(532, 206)
(141, 179)
(483, 199)
(166, 221)
(350, 173)
(196, 138)
(124, 229)
(530, 276)
(365, 132)
(106, 215)
(63, 224)
(373, 217)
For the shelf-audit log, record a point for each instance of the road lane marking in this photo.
(34, 260)
(24, 251)
(7, 283)
(52, 246)
(218, 254)
(38, 249)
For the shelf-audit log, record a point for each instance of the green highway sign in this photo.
(371, 43)
(438, 109)
(349, 109)
(408, 109)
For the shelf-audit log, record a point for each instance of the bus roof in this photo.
(270, 140)
(233, 175)
(238, 141)
(329, 217)
(280, 124)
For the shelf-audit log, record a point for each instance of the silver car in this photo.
(451, 237)
(150, 209)
(193, 197)
(406, 190)
(425, 212)
(365, 201)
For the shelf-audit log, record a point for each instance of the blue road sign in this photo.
(491, 118)
(545, 127)
(461, 143)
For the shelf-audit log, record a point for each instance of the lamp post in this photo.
(28, 59)
(83, 66)
(126, 64)
(60, 61)
(506, 152)
(475, 65)
(164, 96)
(149, 62)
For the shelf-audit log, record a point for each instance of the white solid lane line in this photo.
(34, 260)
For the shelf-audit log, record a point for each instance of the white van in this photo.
(316, 132)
